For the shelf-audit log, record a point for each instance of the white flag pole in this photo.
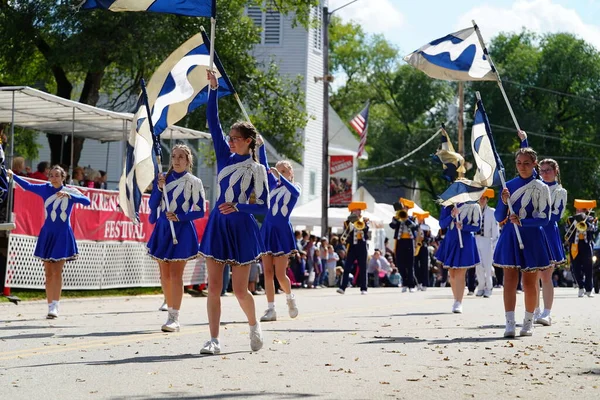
(487, 56)
(213, 26)
(458, 230)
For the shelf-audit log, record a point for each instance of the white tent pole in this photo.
(72, 147)
(107, 158)
(62, 147)
(12, 133)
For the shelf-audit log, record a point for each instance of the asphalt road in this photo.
(386, 344)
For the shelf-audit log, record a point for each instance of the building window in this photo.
(269, 22)
(312, 184)
(318, 28)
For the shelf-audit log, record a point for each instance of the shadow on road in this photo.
(23, 327)
(121, 312)
(315, 330)
(468, 340)
(229, 394)
(28, 336)
(109, 334)
(390, 339)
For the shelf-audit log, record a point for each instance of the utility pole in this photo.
(327, 79)
(461, 113)
(325, 173)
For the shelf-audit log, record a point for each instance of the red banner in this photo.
(340, 180)
(100, 221)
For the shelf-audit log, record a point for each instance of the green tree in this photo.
(553, 83)
(407, 107)
(81, 55)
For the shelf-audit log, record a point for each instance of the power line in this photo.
(554, 136)
(553, 91)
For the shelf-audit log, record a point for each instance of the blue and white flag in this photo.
(140, 164)
(177, 87)
(190, 8)
(456, 57)
(489, 165)
(180, 85)
(461, 191)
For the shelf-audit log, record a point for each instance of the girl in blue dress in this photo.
(277, 233)
(462, 219)
(530, 199)
(550, 173)
(56, 242)
(232, 235)
(185, 194)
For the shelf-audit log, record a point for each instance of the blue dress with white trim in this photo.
(453, 256)
(276, 231)
(56, 241)
(530, 199)
(185, 194)
(234, 238)
(558, 198)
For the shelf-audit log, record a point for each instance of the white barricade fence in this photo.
(103, 262)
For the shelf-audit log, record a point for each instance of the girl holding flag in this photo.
(185, 194)
(56, 242)
(530, 199)
(232, 235)
(459, 252)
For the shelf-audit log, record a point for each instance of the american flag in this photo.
(360, 123)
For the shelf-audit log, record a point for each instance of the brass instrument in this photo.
(579, 224)
(420, 238)
(401, 215)
(354, 222)
(352, 218)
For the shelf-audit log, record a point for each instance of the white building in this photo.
(298, 52)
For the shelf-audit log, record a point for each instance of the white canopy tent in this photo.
(31, 108)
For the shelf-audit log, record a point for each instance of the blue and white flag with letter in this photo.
(189, 8)
(176, 88)
(455, 57)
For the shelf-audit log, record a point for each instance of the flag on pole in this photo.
(177, 87)
(457, 56)
(452, 162)
(360, 123)
(189, 8)
(180, 85)
(489, 164)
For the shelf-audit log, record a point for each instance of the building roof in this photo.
(41, 111)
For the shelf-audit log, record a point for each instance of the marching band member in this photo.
(278, 234)
(185, 194)
(550, 173)
(356, 234)
(424, 239)
(530, 199)
(232, 235)
(405, 231)
(56, 242)
(460, 250)
(486, 239)
(582, 229)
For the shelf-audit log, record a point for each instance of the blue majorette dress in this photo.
(530, 199)
(453, 256)
(276, 231)
(234, 238)
(558, 198)
(185, 193)
(56, 241)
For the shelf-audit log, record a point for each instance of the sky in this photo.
(409, 24)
